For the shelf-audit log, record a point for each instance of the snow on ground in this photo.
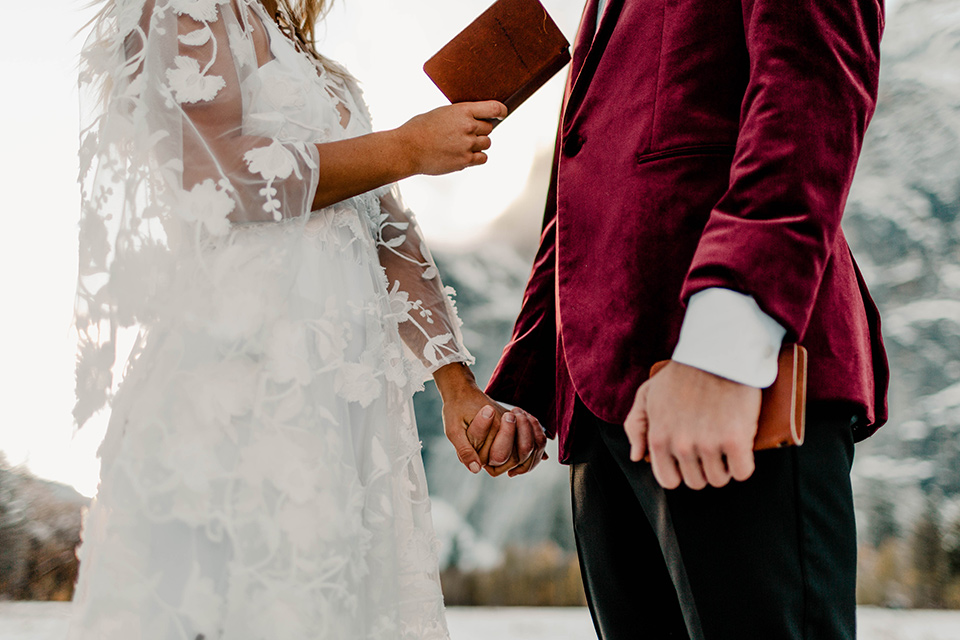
(48, 621)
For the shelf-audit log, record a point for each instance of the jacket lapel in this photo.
(588, 50)
(584, 37)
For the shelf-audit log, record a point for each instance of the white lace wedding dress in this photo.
(261, 473)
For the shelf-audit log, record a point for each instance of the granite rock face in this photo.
(903, 220)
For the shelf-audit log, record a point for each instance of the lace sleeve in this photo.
(202, 78)
(428, 318)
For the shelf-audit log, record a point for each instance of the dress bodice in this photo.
(295, 98)
(217, 115)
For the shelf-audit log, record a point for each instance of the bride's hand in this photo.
(469, 415)
(450, 138)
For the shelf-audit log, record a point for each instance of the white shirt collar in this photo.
(600, 7)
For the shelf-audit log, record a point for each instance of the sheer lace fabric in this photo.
(261, 474)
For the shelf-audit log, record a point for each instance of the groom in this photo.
(703, 160)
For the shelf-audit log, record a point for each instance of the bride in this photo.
(261, 474)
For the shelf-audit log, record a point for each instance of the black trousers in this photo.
(772, 558)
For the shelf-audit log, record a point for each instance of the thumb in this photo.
(637, 425)
(457, 436)
(489, 110)
(479, 428)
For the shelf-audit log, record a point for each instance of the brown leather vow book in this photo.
(783, 404)
(506, 54)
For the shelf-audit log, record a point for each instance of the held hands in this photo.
(696, 427)
(450, 138)
(485, 434)
(515, 446)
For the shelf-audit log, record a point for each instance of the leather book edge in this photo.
(800, 397)
(538, 80)
(436, 68)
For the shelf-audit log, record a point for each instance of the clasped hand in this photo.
(485, 434)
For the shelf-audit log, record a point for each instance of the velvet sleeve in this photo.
(814, 69)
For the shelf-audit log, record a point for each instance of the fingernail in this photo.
(487, 412)
(474, 468)
(509, 417)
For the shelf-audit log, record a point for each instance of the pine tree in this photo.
(11, 532)
(883, 517)
(929, 558)
(953, 550)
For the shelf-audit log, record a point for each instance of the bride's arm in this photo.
(430, 328)
(207, 87)
(441, 141)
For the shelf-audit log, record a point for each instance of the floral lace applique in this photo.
(261, 474)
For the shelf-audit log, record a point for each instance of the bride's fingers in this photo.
(483, 128)
(503, 443)
(525, 438)
(486, 110)
(481, 143)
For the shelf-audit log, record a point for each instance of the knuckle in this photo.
(684, 449)
(709, 449)
(658, 448)
(731, 444)
(659, 440)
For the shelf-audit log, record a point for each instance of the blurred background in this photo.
(902, 219)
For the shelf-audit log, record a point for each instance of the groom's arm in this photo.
(814, 69)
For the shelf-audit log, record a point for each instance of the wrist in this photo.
(454, 379)
(404, 150)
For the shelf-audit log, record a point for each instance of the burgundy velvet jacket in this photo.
(701, 144)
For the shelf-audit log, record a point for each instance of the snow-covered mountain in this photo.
(903, 219)
(903, 222)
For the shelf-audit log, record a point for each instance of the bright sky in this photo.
(382, 42)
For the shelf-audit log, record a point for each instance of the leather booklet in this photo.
(783, 404)
(506, 54)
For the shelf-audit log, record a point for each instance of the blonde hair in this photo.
(298, 18)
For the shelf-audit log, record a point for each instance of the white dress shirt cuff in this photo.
(727, 334)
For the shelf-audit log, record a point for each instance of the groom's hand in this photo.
(517, 446)
(696, 427)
